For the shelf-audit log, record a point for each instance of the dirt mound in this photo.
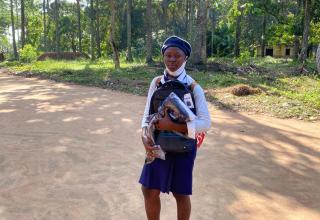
(244, 90)
(62, 55)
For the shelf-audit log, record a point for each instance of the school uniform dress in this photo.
(174, 174)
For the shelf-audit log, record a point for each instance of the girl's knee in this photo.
(150, 193)
(180, 197)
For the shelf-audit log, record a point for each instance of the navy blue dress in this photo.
(171, 175)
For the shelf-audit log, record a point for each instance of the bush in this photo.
(28, 54)
(244, 58)
(62, 55)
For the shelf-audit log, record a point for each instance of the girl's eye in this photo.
(174, 56)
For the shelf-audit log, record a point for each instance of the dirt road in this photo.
(70, 152)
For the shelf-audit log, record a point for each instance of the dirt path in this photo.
(73, 152)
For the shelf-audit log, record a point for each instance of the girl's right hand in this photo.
(147, 142)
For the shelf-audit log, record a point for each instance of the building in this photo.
(279, 51)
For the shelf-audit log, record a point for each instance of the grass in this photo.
(286, 94)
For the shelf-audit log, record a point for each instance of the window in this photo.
(288, 52)
(269, 52)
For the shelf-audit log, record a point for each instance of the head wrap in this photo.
(178, 42)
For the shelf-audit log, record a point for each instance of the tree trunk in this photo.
(263, 36)
(112, 36)
(296, 47)
(187, 18)
(92, 30)
(44, 25)
(15, 52)
(49, 42)
(164, 6)
(296, 37)
(199, 56)
(79, 26)
(57, 36)
(204, 24)
(191, 21)
(149, 32)
(23, 25)
(238, 34)
(17, 15)
(129, 8)
(73, 44)
(306, 31)
(98, 30)
(318, 58)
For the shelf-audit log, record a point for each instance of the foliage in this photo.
(284, 24)
(28, 54)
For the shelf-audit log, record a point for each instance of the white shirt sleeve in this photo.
(152, 88)
(202, 122)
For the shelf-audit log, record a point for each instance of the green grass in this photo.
(285, 93)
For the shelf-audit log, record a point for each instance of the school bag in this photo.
(168, 140)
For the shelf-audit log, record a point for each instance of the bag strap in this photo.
(192, 85)
(158, 81)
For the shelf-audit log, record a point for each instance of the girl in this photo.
(174, 174)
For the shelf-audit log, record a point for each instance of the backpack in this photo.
(168, 140)
(183, 91)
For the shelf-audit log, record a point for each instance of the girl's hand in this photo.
(147, 142)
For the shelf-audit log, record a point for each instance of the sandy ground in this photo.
(73, 152)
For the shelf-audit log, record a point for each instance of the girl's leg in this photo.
(183, 206)
(152, 203)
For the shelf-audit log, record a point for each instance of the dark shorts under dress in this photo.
(171, 175)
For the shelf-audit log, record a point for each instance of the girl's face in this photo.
(173, 58)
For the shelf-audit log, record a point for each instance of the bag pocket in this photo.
(174, 143)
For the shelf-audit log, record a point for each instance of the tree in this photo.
(23, 25)
(318, 58)
(98, 30)
(199, 56)
(15, 52)
(112, 36)
(129, 8)
(297, 27)
(306, 30)
(79, 26)
(148, 22)
(92, 32)
(263, 36)
(238, 13)
(56, 17)
(44, 24)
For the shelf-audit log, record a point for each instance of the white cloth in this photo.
(202, 122)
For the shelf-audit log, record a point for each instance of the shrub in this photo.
(62, 55)
(28, 54)
(244, 58)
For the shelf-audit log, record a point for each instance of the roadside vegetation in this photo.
(285, 92)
